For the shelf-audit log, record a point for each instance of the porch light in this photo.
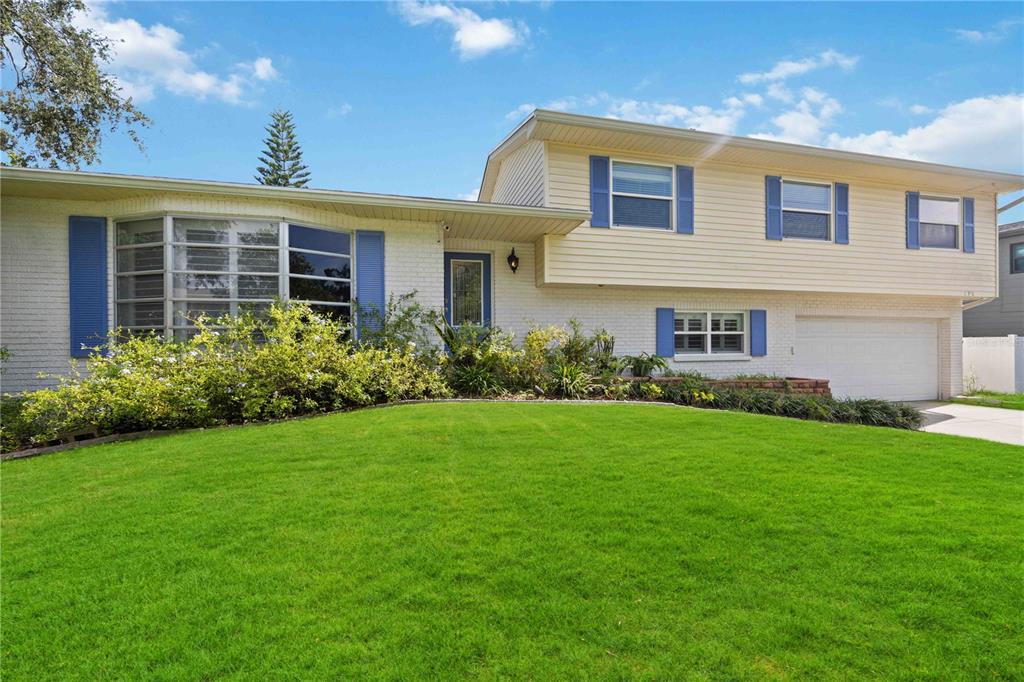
(513, 261)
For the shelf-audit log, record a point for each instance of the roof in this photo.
(1011, 229)
(464, 219)
(643, 138)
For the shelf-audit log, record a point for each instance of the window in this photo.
(806, 210)
(467, 281)
(320, 270)
(710, 333)
(139, 286)
(1017, 258)
(172, 270)
(642, 195)
(939, 222)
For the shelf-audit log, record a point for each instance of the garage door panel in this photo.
(870, 357)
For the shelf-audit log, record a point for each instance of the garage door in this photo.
(870, 357)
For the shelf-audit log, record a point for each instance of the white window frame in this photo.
(283, 274)
(959, 225)
(612, 193)
(117, 274)
(830, 212)
(708, 355)
(287, 275)
(232, 302)
(483, 288)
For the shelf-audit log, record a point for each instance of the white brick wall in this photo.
(34, 319)
(628, 313)
(34, 289)
(34, 297)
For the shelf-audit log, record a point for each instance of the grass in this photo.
(1009, 401)
(529, 541)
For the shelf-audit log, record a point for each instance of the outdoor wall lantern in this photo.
(513, 261)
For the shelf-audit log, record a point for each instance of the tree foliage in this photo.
(61, 100)
(281, 160)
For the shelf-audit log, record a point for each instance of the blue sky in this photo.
(410, 97)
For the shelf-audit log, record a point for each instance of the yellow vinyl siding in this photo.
(521, 177)
(729, 249)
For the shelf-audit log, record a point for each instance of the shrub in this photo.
(576, 347)
(539, 347)
(480, 361)
(14, 429)
(234, 369)
(571, 380)
(644, 365)
(812, 407)
(402, 324)
(649, 391)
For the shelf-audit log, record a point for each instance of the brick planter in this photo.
(787, 385)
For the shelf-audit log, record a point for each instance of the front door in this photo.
(467, 288)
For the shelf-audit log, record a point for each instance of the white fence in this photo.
(994, 363)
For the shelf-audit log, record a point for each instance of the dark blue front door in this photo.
(467, 288)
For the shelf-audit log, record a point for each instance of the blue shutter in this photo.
(773, 206)
(600, 183)
(968, 225)
(758, 333)
(87, 280)
(842, 213)
(913, 221)
(666, 332)
(684, 199)
(370, 274)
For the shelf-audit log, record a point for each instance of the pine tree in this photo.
(282, 158)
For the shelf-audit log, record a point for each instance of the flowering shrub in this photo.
(289, 363)
(293, 361)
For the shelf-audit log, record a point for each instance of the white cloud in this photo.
(264, 69)
(788, 68)
(145, 59)
(722, 119)
(468, 196)
(806, 122)
(1001, 31)
(918, 109)
(520, 112)
(474, 36)
(779, 92)
(753, 99)
(982, 131)
(338, 111)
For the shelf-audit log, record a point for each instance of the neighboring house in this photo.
(725, 255)
(1005, 315)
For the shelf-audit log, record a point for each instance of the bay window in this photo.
(171, 270)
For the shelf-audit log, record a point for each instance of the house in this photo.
(725, 255)
(1005, 315)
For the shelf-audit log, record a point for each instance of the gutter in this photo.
(975, 302)
(286, 193)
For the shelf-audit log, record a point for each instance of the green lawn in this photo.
(1010, 401)
(529, 541)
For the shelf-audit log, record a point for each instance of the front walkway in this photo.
(975, 421)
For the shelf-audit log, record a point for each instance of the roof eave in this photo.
(1004, 181)
(280, 193)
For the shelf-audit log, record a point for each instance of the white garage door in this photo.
(870, 357)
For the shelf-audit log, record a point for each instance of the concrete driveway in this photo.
(975, 421)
